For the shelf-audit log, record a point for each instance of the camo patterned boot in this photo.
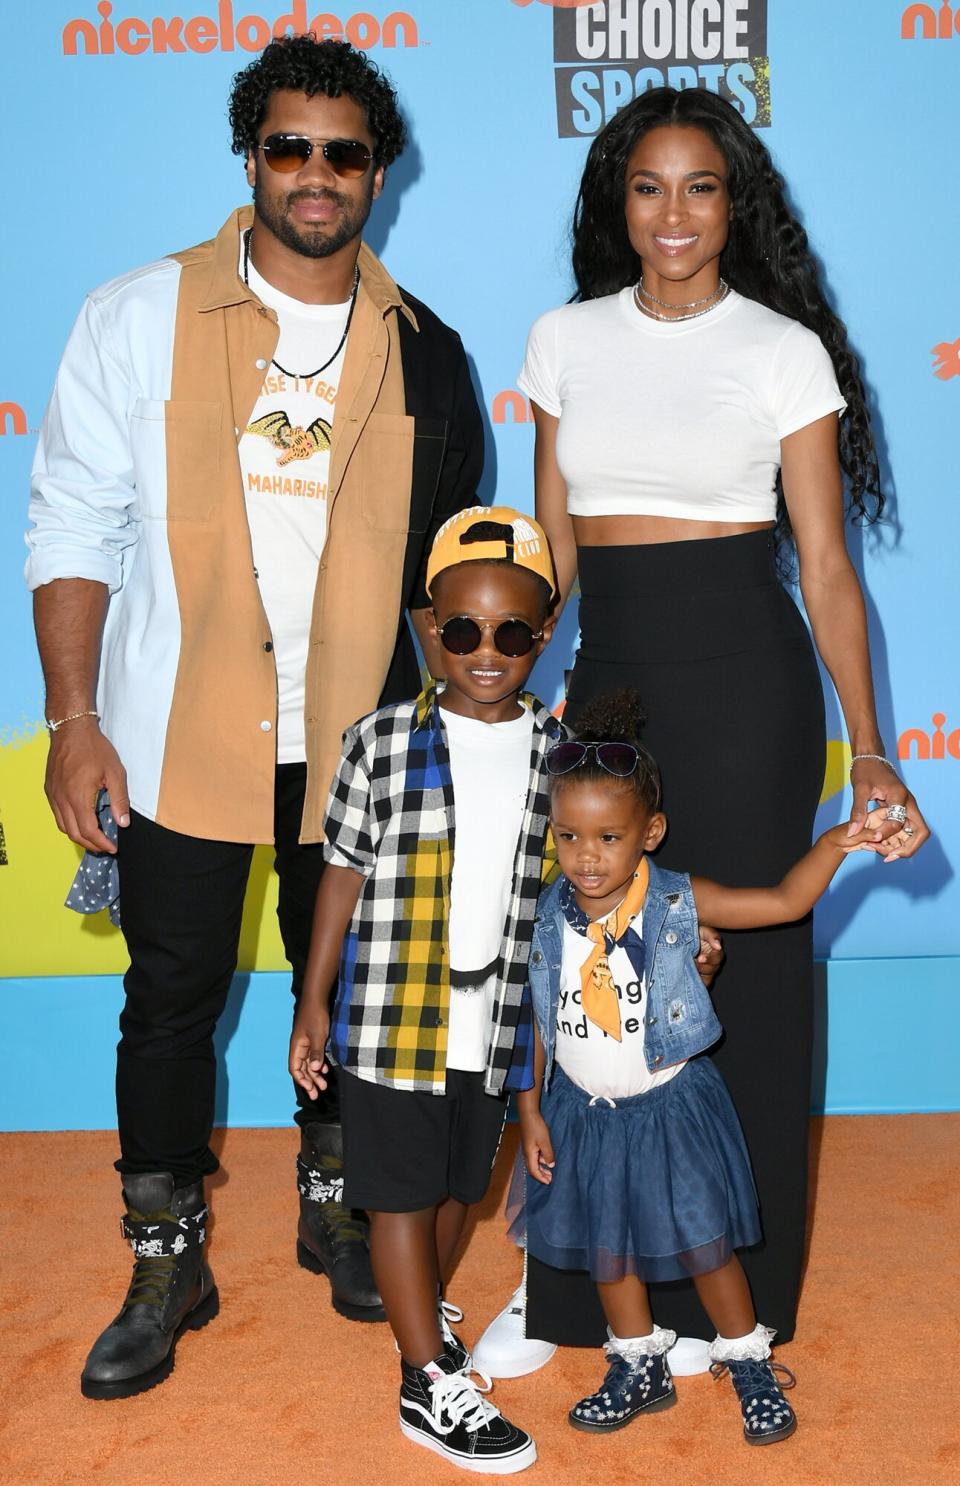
(171, 1291)
(331, 1239)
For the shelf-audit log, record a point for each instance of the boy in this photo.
(431, 1025)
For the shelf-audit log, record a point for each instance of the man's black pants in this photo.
(181, 904)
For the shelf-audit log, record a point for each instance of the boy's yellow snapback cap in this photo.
(483, 532)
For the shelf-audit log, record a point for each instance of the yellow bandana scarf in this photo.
(599, 997)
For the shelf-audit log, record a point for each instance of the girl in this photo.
(638, 1163)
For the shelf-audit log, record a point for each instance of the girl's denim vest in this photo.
(679, 1017)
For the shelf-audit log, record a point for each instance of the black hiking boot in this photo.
(171, 1290)
(331, 1239)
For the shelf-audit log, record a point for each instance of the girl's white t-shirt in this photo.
(490, 768)
(680, 418)
(285, 461)
(590, 1058)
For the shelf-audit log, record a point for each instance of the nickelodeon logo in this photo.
(948, 360)
(510, 406)
(934, 23)
(12, 417)
(204, 33)
(917, 743)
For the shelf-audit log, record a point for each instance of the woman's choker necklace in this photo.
(305, 376)
(709, 302)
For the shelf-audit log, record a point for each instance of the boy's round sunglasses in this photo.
(620, 759)
(348, 158)
(461, 635)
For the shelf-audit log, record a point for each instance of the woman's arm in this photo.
(813, 490)
(551, 503)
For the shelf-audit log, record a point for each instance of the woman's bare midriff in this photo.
(630, 531)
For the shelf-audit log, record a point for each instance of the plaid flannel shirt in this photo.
(390, 817)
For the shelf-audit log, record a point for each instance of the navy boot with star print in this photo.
(638, 1381)
(767, 1417)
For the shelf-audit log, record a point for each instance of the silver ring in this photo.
(907, 831)
(897, 813)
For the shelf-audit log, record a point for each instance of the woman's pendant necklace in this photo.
(306, 376)
(710, 302)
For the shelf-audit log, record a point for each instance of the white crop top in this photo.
(675, 419)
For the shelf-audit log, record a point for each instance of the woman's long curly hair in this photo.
(767, 257)
(304, 65)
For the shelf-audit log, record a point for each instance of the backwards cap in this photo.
(482, 533)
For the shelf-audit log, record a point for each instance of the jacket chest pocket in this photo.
(382, 468)
(176, 458)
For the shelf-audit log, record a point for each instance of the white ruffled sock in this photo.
(754, 1347)
(634, 1347)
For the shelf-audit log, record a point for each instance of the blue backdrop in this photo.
(117, 151)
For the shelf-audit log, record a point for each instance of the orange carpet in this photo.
(281, 1390)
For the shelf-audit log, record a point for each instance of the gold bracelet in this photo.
(53, 727)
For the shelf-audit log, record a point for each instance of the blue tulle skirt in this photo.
(658, 1186)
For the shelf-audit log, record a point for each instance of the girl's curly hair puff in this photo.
(304, 65)
(767, 257)
(615, 717)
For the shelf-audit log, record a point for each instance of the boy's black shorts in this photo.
(404, 1150)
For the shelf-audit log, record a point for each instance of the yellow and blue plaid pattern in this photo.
(390, 816)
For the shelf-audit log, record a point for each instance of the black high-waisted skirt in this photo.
(728, 677)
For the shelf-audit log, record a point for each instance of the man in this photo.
(249, 448)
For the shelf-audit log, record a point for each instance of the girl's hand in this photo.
(308, 1040)
(537, 1148)
(709, 957)
(872, 779)
(870, 835)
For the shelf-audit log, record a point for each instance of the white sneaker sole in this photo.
(529, 1357)
(502, 1465)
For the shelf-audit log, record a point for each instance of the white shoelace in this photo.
(449, 1315)
(461, 1399)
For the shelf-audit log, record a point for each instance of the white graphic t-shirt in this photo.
(285, 458)
(588, 1056)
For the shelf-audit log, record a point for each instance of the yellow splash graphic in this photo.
(40, 936)
(837, 773)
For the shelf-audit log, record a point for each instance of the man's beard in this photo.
(317, 241)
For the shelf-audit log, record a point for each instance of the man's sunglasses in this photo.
(619, 759)
(461, 635)
(347, 158)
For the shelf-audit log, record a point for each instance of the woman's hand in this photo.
(875, 779)
(537, 1147)
(307, 1061)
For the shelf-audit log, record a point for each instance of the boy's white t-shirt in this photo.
(490, 768)
(675, 418)
(285, 460)
(591, 1059)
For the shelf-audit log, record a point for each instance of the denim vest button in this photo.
(671, 938)
(658, 1060)
(536, 957)
(651, 1021)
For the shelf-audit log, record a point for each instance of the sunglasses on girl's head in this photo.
(461, 635)
(620, 759)
(347, 158)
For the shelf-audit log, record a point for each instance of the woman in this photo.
(689, 442)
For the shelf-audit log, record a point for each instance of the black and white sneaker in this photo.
(443, 1408)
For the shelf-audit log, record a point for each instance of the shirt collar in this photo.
(427, 712)
(226, 287)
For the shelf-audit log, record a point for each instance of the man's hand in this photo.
(537, 1147)
(709, 957)
(81, 763)
(307, 1062)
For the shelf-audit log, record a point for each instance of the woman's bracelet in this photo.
(53, 727)
(859, 758)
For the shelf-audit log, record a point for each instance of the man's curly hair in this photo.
(304, 65)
